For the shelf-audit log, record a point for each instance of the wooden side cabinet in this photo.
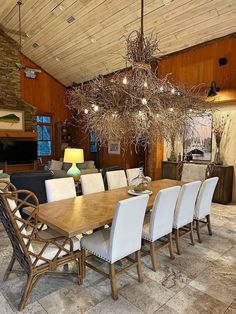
(223, 191)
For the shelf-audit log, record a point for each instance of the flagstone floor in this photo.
(201, 280)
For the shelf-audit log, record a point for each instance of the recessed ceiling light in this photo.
(35, 45)
(167, 2)
(61, 7)
(93, 40)
(70, 19)
(58, 59)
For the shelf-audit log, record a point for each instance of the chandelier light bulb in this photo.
(178, 93)
(140, 113)
(172, 91)
(144, 101)
(86, 111)
(158, 115)
(125, 81)
(190, 110)
(171, 109)
(145, 84)
(161, 88)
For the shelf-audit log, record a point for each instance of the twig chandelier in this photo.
(137, 108)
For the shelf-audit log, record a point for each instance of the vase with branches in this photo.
(219, 126)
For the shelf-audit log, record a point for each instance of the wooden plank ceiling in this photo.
(95, 42)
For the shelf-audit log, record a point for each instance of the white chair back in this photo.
(162, 216)
(131, 174)
(116, 179)
(203, 205)
(126, 229)
(185, 204)
(60, 189)
(92, 183)
(193, 172)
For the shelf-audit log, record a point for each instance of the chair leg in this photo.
(28, 288)
(177, 241)
(9, 268)
(153, 257)
(191, 233)
(113, 281)
(169, 236)
(139, 266)
(83, 265)
(209, 224)
(198, 231)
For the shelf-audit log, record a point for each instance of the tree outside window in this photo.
(44, 129)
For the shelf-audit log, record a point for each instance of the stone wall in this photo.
(10, 82)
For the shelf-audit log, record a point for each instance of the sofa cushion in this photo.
(88, 171)
(55, 165)
(59, 174)
(90, 164)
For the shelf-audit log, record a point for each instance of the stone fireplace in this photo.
(10, 93)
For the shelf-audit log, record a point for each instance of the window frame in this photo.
(41, 114)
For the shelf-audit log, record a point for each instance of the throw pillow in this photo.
(90, 164)
(56, 165)
(1, 171)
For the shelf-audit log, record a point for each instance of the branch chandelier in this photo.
(136, 108)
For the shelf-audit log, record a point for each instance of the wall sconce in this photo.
(213, 89)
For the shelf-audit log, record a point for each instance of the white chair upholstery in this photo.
(204, 200)
(121, 240)
(193, 172)
(92, 183)
(131, 174)
(161, 220)
(185, 204)
(124, 236)
(203, 205)
(116, 179)
(60, 189)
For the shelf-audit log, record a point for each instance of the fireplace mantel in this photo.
(6, 134)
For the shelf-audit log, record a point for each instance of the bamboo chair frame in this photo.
(28, 260)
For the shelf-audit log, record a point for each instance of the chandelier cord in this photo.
(19, 21)
(142, 27)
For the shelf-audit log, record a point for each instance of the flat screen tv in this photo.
(18, 152)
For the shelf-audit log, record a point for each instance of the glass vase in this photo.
(140, 183)
(217, 158)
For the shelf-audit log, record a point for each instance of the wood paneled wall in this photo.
(201, 65)
(47, 95)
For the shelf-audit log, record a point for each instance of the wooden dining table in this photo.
(77, 215)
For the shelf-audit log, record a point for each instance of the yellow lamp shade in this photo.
(74, 155)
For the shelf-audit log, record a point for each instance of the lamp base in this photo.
(73, 171)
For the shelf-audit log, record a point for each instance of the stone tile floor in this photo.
(201, 280)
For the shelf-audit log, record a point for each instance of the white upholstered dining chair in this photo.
(60, 189)
(121, 240)
(161, 221)
(203, 205)
(193, 172)
(116, 179)
(131, 174)
(92, 183)
(184, 211)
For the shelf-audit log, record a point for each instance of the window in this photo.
(44, 129)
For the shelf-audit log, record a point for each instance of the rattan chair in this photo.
(36, 255)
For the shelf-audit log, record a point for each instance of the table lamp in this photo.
(74, 156)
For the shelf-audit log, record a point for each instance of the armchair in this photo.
(35, 254)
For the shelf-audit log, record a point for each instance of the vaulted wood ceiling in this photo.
(95, 42)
